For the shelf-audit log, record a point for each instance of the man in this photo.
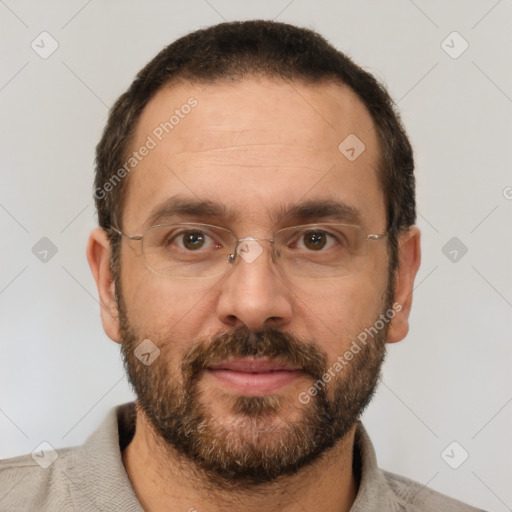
(256, 251)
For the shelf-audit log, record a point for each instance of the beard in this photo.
(262, 437)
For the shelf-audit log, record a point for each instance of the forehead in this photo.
(257, 147)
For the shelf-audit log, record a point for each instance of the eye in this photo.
(192, 240)
(315, 240)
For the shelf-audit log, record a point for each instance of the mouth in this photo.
(254, 377)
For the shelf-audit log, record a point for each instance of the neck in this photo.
(166, 481)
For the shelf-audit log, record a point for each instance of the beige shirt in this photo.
(92, 477)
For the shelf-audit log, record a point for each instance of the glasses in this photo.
(199, 251)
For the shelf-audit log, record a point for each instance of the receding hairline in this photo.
(187, 79)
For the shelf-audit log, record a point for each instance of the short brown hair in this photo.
(236, 50)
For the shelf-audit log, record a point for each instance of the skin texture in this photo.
(252, 145)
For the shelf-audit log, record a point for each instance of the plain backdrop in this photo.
(449, 380)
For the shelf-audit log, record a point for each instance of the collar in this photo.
(98, 477)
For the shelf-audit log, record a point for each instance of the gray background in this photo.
(450, 380)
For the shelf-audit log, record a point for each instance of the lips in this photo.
(254, 377)
(253, 366)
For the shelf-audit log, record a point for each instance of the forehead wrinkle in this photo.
(248, 156)
(259, 152)
(255, 166)
(235, 147)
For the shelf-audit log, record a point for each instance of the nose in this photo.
(253, 292)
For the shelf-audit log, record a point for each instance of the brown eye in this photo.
(315, 240)
(193, 240)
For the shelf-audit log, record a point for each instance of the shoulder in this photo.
(383, 490)
(86, 477)
(415, 497)
(30, 484)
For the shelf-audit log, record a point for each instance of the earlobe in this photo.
(98, 255)
(410, 258)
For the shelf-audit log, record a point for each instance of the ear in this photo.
(98, 255)
(409, 254)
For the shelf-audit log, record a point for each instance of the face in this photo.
(238, 385)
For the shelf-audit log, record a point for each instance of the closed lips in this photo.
(253, 366)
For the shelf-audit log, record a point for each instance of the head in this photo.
(254, 127)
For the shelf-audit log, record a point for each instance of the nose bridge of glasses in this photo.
(250, 249)
(252, 239)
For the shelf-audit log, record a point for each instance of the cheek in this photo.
(336, 312)
(162, 309)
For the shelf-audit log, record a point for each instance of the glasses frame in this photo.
(232, 257)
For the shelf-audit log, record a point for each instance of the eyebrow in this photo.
(311, 210)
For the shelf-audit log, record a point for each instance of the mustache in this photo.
(269, 343)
